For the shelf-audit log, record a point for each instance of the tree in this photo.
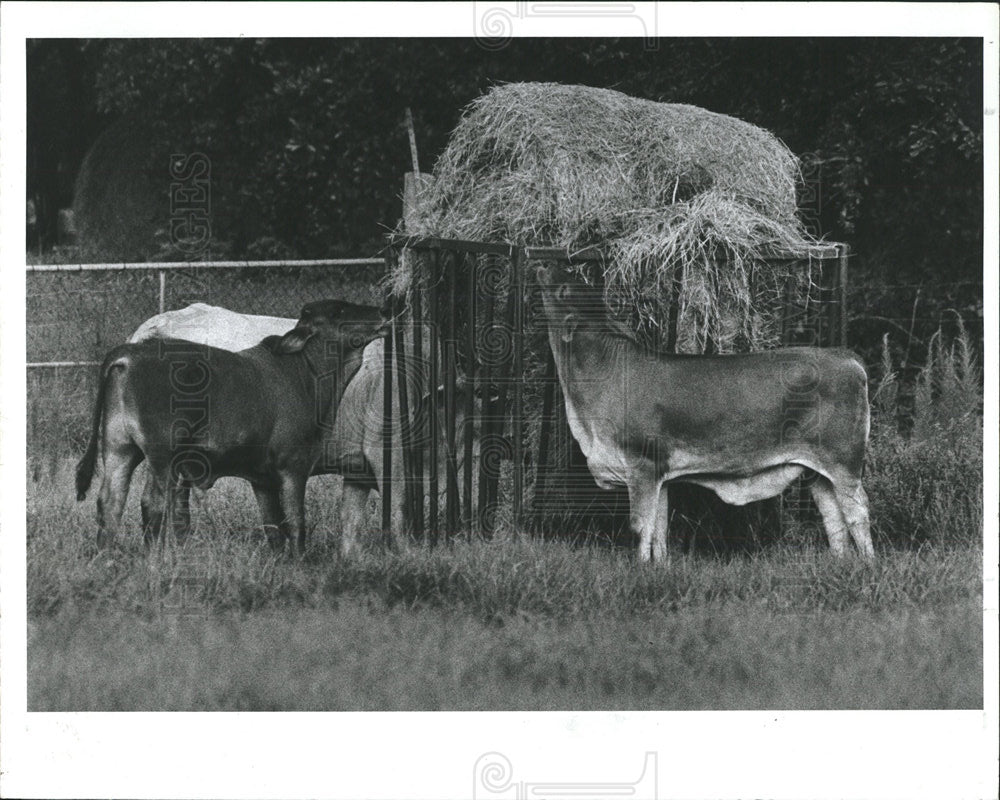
(308, 148)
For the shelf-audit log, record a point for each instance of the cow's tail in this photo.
(85, 467)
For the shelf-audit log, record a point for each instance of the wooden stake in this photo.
(413, 139)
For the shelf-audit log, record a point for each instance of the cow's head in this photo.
(351, 325)
(570, 304)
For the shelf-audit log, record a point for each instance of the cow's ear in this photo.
(570, 323)
(293, 341)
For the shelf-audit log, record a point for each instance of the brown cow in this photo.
(198, 413)
(744, 426)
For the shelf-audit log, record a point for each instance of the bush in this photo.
(926, 488)
(926, 491)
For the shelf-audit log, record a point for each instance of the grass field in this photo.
(516, 623)
(519, 623)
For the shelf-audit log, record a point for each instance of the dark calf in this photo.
(198, 413)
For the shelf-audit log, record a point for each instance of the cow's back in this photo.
(357, 426)
(356, 435)
(179, 396)
(212, 325)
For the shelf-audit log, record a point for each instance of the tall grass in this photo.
(926, 486)
(516, 623)
(226, 565)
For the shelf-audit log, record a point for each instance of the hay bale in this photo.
(118, 204)
(689, 204)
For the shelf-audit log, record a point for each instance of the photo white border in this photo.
(431, 755)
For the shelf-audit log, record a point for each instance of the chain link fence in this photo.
(76, 313)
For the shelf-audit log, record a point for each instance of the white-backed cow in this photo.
(353, 448)
(212, 325)
(744, 426)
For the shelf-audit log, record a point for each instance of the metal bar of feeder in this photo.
(824, 251)
(500, 409)
(450, 405)
(432, 413)
(517, 418)
(486, 388)
(828, 332)
(842, 264)
(418, 394)
(405, 430)
(470, 399)
(560, 254)
(436, 243)
(387, 435)
(786, 312)
(548, 402)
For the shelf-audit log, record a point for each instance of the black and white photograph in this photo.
(625, 368)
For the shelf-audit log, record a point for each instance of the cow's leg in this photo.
(661, 528)
(854, 504)
(293, 500)
(119, 464)
(152, 505)
(643, 500)
(269, 503)
(179, 497)
(352, 513)
(833, 520)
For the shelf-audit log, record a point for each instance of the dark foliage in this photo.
(308, 144)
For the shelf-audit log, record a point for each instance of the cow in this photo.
(353, 446)
(197, 413)
(744, 425)
(212, 325)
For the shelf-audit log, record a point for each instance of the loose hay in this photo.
(690, 206)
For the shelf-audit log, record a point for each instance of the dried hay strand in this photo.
(690, 205)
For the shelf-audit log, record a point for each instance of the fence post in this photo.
(163, 290)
